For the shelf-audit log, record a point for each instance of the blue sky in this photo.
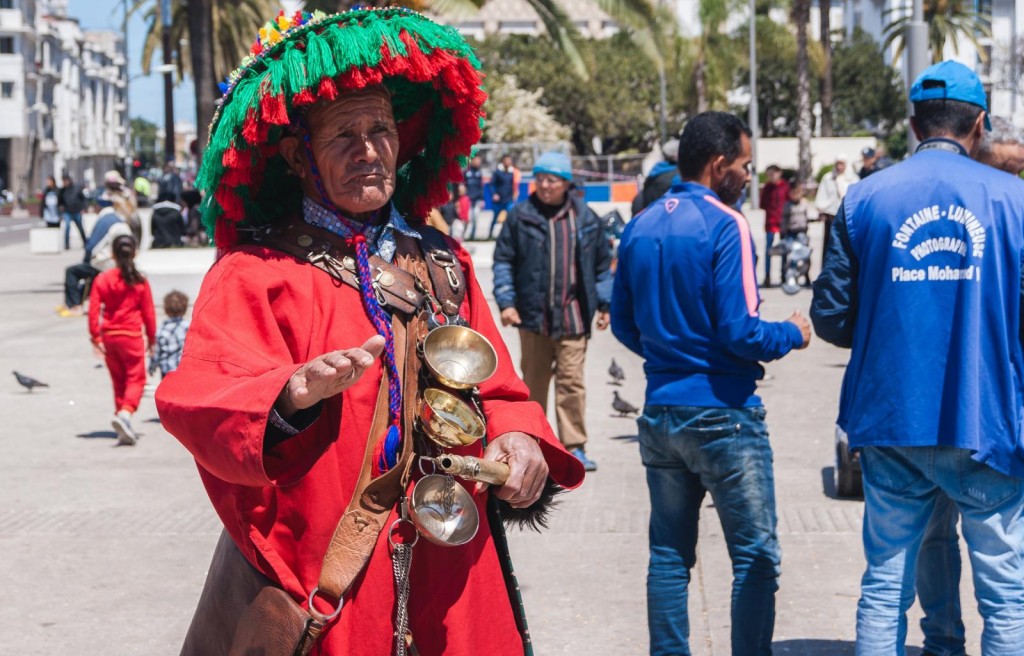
(145, 94)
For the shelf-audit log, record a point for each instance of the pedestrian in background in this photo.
(170, 183)
(122, 324)
(99, 257)
(170, 338)
(663, 175)
(831, 189)
(71, 203)
(505, 185)
(551, 275)
(1003, 147)
(49, 203)
(143, 189)
(923, 282)
(167, 224)
(774, 195)
(873, 161)
(474, 178)
(686, 300)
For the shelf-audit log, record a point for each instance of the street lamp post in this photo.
(165, 11)
(917, 57)
(753, 118)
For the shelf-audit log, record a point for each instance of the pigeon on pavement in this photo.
(623, 407)
(616, 372)
(28, 382)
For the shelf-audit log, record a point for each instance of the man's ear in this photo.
(294, 154)
(717, 168)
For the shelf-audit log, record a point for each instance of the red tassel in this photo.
(304, 97)
(327, 89)
(225, 235)
(256, 48)
(251, 129)
(233, 158)
(351, 79)
(234, 208)
(237, 177)
(297, 18)
(420, 69)
(274, 110)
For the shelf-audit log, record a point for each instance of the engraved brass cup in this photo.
(459, 357)
(443, 511)
(448, 420)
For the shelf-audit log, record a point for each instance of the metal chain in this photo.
(401, 558)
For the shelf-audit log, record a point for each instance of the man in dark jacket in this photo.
(503, 184)
(660, 179)
(551, 274)
(167, 223)
(71, 203)
(474, 179)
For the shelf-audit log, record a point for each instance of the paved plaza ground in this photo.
(103, 550)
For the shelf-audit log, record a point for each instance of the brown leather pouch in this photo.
(274, 625)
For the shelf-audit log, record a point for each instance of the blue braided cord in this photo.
(377, 315)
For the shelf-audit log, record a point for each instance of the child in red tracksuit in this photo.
(121, 316)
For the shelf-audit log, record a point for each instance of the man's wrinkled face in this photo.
(734, 176)
(355, 147)
(551, 189)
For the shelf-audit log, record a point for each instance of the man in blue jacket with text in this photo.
(922, 281)
(685, 298)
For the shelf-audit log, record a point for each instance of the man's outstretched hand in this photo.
(330, 374)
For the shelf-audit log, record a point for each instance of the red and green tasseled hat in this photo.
(429, 69)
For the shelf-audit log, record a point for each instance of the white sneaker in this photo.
(123, 425)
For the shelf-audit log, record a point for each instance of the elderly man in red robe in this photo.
(298, 391)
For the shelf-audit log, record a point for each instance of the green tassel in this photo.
(276, 71)
(319, 62)
(295, 70)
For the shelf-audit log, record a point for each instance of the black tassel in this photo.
(536, 516)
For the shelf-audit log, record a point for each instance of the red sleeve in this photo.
(94, 307)
(250, 331)
(148, 313)
(505, 397)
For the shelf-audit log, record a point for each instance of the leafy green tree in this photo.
(145, 142)
(618, 103)
(515, 115)
(948, 21)
(869, 94)
(777, 80)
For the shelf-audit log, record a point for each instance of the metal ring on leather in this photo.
(327, 618)
(391, 531)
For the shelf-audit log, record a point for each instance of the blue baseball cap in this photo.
(950, 80)
(554, 163)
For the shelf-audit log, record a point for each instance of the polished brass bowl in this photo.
(459, 357)
(448, 420)
(443, 511)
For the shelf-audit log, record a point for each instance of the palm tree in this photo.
(801, 15)
(825, 7)
(209, 40)
(948, 21)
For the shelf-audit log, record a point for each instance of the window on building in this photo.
(6, 4)
(6, 89)
(6, 45)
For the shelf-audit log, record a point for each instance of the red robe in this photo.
(261, 314)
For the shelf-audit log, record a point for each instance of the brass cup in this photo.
(443, 511)
(448, 420)
(459, 357)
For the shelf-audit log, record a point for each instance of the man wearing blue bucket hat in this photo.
(551, 275)
(923, 281)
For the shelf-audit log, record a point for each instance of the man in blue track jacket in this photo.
(685, 298)
(922, 281)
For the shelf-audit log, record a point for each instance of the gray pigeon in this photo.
(616, 372)
(623, 407)
(28, 382)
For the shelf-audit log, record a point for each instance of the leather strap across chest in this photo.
(396, 289)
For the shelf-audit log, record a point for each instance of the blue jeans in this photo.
(69, 218)
(902, 486)
(938, 582)
(499, 207)
(689, 451)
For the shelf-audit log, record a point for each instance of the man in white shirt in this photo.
(831, 190)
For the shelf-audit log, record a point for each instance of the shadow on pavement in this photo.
(828, 486)
(816, 647)
(626, 438)
(98, 434)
